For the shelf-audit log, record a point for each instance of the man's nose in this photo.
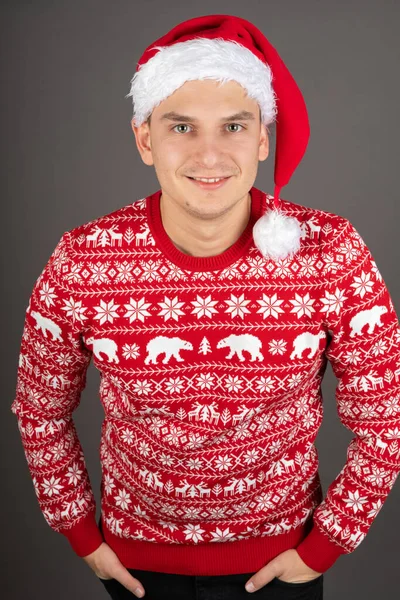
(210, 150)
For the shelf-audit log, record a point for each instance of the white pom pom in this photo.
(277, 235)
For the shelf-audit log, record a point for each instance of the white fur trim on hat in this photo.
(201, 58)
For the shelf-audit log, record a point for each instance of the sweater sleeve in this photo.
(51, 375)
(364, 351)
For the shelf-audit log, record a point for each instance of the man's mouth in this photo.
(208, 179)
(211, 183)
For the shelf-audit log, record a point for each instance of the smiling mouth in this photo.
(209, 186)
(209, 179)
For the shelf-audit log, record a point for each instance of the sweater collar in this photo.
(203, 263)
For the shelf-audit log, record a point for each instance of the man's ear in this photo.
(263, 149)
(143, 142)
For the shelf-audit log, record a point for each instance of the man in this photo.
(211, 309)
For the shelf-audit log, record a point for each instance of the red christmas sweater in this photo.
(210, 380)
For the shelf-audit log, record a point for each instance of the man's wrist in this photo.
(318, 551)
(84, 537)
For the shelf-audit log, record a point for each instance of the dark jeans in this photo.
(169, 586)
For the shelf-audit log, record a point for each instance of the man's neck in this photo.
(201, 238)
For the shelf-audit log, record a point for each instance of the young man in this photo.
(210, 310)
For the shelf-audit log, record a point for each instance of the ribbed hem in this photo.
(259, 202)
(85, 537)
(223, 558)
(318, 552)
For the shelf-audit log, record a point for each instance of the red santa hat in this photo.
(225, 47)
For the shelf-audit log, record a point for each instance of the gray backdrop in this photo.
(69, 156)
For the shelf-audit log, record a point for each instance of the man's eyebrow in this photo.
(243, 115)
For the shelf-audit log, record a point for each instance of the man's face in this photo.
(207, 144)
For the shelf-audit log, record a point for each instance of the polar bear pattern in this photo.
(45, 325)
(307, 341)
(171, 347)
(105, 345)
(241, 342)
(372, 316)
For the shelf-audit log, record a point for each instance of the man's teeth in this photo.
(208, 180)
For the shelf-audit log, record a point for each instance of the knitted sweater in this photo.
(210, 380)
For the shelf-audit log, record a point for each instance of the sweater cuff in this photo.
(84, 537)
(317, 551)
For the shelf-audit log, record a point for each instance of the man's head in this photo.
(214, 65)
(207, 144)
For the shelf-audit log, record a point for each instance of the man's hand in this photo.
(287, 566)
(106, 565)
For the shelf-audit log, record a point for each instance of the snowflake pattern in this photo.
(204, 306)
(137, 310)
(237, 306)
(270, 307)
(106, 312)
(171, 308)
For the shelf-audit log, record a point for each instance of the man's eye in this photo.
(236, 125)
(181, 125)
(184, 125)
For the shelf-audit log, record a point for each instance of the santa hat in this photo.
(225, 47)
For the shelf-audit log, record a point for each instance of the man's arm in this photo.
(364, 351)
(52, 368)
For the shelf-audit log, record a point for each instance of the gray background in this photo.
(69, 156)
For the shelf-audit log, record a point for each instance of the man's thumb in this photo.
(131, 583)
(264, 575)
